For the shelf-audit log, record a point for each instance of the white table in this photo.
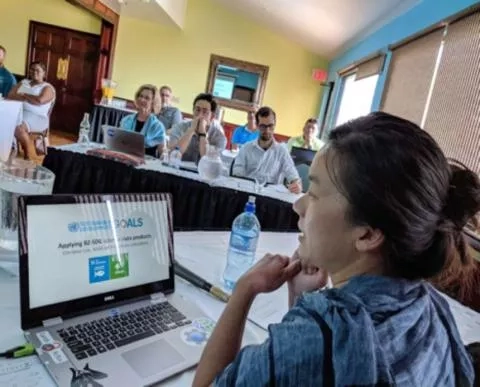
(279, 192)
(10, 117)
(204, 253)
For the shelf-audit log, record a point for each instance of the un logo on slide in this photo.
(73, 227)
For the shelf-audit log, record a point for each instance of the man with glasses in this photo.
(192, 136)
(265, 158)
(169, 115)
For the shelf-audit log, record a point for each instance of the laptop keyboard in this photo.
(99, 336)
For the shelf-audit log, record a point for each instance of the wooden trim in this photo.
(261, 70)
(98, 8)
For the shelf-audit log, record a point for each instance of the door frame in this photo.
(102, 71)
(94, 86)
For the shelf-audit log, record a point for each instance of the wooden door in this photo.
(72, 59)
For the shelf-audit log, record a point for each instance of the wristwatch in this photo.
(201, 135)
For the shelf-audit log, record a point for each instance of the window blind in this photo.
(410, 76)
(453, 116)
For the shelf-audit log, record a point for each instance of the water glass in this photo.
(16, 179)
(260, 183)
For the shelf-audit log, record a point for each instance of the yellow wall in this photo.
(15, 16)
(152, 53)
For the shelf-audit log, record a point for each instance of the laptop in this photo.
(124, 141)
(97, 290)
(302, 155)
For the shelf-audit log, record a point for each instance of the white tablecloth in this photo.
(10, 117)
(279, 192)
(203, 253)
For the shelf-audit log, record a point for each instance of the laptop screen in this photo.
(78, 250)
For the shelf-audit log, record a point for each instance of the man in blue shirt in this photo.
(7, 80)
(246, 133)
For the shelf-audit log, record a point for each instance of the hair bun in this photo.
(463, 200)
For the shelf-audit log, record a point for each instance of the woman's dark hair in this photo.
(396, 179)
(206, 97)
(265, 111)
(40, 64)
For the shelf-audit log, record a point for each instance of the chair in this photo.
(44, 134)
(230, 172)
(303, 173)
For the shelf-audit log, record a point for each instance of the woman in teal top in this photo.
(144, 121)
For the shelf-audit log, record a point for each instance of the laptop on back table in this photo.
(124, 141)
(97, 290)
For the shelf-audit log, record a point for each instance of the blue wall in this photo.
(425, 14)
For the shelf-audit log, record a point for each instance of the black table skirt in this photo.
(196, 205)
(104, 115)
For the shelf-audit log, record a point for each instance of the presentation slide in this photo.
(79, 250)
(223, 86)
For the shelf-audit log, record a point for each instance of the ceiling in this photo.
(326, 27)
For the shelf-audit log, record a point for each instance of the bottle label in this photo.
(242, 242)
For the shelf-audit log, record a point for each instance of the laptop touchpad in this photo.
(153, 358)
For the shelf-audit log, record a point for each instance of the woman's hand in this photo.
(308, 279)
(268, 274)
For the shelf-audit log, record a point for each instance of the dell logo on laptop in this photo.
(111, 132)
(109, 298)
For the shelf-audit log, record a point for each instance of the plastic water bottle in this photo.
(164, 157)
(175, 158)
(84, 133)
(243, 244)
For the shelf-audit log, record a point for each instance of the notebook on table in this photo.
(97, 290)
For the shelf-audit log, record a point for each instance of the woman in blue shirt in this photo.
(147, 101)
(384, 211)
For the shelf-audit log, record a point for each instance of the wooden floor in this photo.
(55, 138)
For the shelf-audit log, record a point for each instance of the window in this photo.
(357, 97)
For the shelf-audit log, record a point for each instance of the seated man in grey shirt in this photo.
(192, 136)
(265, 157)
(169, 115)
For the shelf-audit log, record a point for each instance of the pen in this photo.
(20, 351)
(199, 282)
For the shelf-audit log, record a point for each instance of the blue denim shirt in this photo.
(373, 331)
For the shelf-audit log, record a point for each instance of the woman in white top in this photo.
(38, 97)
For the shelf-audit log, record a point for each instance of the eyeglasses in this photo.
(199, 110)
(264, 126)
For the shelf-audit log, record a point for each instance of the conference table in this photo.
(197, 203)
(193, 250)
